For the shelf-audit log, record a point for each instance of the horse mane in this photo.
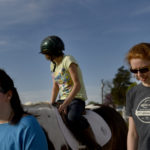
(37, 104)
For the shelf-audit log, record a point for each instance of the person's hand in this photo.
(53, 103)
(62, 108)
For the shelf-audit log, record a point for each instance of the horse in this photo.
(46, 116)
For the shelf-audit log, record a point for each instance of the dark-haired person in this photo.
(18, 130)
(138, 98)
(68, 82)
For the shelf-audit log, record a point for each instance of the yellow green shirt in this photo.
(63, 79)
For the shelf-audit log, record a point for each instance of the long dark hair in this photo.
(6, 84)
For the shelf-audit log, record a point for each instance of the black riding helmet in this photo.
(52, 45)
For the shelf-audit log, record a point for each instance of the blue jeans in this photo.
(74, 115)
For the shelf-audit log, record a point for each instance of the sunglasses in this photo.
(142, 70)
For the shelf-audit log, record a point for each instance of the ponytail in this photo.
(16, 106)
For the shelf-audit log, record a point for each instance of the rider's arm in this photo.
(55, 90)
(132, 139)
(76, 84)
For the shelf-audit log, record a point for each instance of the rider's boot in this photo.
(90, 139)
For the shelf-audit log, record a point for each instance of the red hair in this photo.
(141, 51)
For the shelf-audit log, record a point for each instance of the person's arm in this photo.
(55, 90)
(76, 86)
(132, 138)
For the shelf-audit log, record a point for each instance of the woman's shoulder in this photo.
(69, 58)
(30, 131)
(28, 120)
(134, 89)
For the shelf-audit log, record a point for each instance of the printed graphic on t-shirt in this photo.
(64, 81)
(143, 110)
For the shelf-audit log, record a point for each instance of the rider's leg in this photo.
(75, 111)
(79, 124)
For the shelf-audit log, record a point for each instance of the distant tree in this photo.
(107, 85)
(132, 85)
(108, 101)
(121, 82)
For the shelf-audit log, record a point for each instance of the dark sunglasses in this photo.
(142, 70)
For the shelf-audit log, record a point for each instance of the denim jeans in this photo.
(74, 115)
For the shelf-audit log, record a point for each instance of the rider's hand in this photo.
(62, 108)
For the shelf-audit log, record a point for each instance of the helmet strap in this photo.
(54, 66)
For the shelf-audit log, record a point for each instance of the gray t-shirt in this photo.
(138, 106)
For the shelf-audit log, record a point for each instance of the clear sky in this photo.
(98, 33)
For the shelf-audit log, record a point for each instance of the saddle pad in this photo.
(99, 126)
(100, 129)
(70, 139)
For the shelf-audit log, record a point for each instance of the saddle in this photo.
(98, 125)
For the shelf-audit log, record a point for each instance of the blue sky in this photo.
(98, 33)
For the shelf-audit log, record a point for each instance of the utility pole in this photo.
(102, 90)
